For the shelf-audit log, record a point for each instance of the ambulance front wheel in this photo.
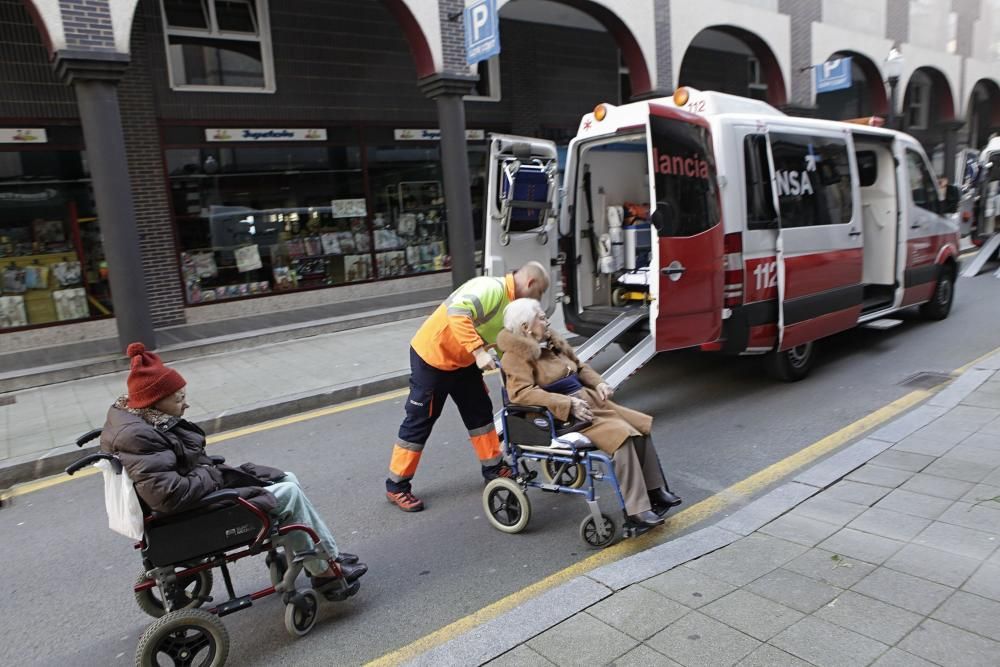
(944, 293)
(790, 365)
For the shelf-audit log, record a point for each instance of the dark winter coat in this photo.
(528, 367)
(168, 465)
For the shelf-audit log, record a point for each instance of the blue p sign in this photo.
(833, 75)
(482, 33)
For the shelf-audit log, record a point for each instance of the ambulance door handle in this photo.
(674, 270)
(854, 233)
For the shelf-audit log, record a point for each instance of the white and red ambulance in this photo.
(717, 221)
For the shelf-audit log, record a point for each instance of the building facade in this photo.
(179, 161)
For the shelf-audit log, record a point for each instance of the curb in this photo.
(55, 461)
(30, 378)
(516, 626)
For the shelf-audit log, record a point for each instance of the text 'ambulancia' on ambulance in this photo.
(717, 221)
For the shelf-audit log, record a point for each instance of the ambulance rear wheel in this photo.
(944, 293)
(790, 365)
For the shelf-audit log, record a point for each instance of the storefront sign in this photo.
(434, 135)
(23, 136)
(349, 208)
(264, 134)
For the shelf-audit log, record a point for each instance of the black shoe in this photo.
(345, 557)
(662, 500)
(645, 519)
(353, 571)
(499, 470)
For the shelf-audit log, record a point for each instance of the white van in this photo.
(758, 233)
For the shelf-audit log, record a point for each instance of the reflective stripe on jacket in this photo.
(468, 319)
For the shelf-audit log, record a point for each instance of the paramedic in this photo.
(542, 369)
(164, 456)
(448, 355)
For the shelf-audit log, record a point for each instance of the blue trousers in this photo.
(294, 507)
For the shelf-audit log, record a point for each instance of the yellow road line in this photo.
(682, 520)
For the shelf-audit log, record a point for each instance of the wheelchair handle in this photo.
(220, 496)
(90, 459)
(87, 437)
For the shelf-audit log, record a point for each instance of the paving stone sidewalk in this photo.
(884, 554)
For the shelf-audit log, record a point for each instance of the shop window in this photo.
(488, 87)
(756, 85)
(813, 178)
(264, 219)
(52, 265)
(918, 97)
(219, 45)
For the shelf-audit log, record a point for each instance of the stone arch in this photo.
(991, 89)
(777, 92)
(415, 30)
(941, 100)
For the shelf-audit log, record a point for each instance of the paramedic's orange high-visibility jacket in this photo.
(468, 319)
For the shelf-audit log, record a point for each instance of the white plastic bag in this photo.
(124, 511)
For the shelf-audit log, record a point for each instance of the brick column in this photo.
(803, 13)
(897, 20)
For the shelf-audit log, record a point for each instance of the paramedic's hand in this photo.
(604, 391)
(580, 410)
(484, 360)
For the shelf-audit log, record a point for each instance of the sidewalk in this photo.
(885, 553)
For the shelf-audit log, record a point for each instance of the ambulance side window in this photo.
(813, 177)
(760, 202)
(922, 186)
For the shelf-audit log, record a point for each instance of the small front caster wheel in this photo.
(301, 613)
(599, 536)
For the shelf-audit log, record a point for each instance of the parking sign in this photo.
(833, 75)
(482, 31)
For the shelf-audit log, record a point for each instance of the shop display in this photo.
(67, 273)
(14, 280)
(71, 304)
(358, 267)
(12, 313)
(247, 258)
(36, 276)
(204, 265)
(331, 246)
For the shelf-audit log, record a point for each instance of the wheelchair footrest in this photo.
(234, 605)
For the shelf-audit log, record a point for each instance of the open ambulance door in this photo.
(522, 202)
(687, 220)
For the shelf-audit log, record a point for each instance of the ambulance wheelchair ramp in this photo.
(977, 263)
(610, 333)
(631, 362)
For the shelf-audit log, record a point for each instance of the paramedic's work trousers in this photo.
(429, 388)
(638, 471)
(294, 507)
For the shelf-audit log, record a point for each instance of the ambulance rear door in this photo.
(687, 220)
(522, 200)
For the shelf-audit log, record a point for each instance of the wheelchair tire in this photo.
(506, 505)
(613, 531)
(301, 613)
(196, 587)
(190, 637)
(572, 477)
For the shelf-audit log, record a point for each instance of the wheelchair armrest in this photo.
(525, 409)
(94, 458)
(217, 460)
(571, 427)
(87, 437)
(219, 496)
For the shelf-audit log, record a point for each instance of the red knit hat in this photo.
(149, 381)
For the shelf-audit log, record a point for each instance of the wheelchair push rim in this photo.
(609, 532)
(185, 638)
(506, 505)
(192, 592)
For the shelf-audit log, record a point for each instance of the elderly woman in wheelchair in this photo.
(549, 393)
(199, 514)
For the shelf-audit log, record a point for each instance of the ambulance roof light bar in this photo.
(711, 102)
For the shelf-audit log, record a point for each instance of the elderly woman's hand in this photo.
(580, 410)
(604, 391)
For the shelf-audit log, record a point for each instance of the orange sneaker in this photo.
(405, 501)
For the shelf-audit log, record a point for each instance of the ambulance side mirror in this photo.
(664, 219)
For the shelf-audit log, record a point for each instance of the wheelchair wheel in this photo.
(507, 506)
(277, 565)
(301, 613)
(191, 595)
(572, 477)
(611, 529)
(189, 637)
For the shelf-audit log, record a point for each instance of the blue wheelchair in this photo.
(568, 462)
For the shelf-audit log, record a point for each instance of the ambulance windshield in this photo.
(687, 200)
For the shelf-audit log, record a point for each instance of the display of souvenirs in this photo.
(391, 264)
(12, 312)
(346, 240)
(407, 225)
(67, 273)
(36, 276)
(204, 265)
(284, 278)
(247, 258)
(362, 242)
(295, 248)
(71, 304)
(14, 280)
(387, 239)
(358, 267)
(331, 246)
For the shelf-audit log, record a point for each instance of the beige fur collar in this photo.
(526, 346)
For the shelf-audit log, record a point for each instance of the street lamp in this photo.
(893, 70)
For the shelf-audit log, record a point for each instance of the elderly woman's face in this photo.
(173, 405)
(539, 326)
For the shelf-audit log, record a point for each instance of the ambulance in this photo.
(715, 221)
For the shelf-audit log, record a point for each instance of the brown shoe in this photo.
(405, 501)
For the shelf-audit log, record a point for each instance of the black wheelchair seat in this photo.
(195, 534)
(533, 429)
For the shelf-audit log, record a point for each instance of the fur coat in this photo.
(528, 366)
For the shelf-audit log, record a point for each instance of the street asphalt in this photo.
(67, 592)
